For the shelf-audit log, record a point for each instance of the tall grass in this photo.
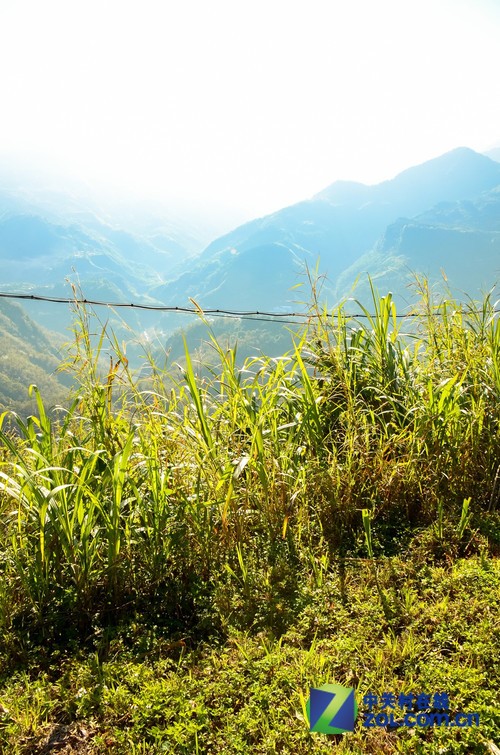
(166, 495)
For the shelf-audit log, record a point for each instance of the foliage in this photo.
(200, 513)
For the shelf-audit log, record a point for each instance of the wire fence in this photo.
(301, 318)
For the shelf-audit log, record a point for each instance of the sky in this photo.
(251, 105)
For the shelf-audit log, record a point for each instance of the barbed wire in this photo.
(253, 315)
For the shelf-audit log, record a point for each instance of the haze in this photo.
(246, 105)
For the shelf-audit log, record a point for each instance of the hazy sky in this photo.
(255, 104)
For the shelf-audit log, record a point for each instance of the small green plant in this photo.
(465, 517)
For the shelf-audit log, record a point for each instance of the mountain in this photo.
(443, 214)
(494, 153)
(28, 354)
(37, 255)
(53, 231)
(461, 238)
(350, 227)
(459, 174)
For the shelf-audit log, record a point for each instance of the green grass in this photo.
(183, 555)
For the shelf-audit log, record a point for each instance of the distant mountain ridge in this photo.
(343, 225)
(49, 237)
(459, 174)
(442, 214)
(493, 154)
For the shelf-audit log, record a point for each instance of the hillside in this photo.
(461, 239)
(28, 354)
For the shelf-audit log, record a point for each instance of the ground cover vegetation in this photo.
(28, 353)
(184, 553)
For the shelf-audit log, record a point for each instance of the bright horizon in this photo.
(250, 106)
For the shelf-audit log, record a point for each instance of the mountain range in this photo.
(54, 233)
(436, 215)
(440, 218)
